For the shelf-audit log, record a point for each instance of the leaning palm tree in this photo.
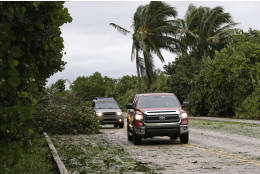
(153, 30)
(134, 53)
(204, 30)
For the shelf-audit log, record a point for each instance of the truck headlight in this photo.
(183, 115)
(184, 118)
(139, 117)
(99, 114)
(119, 113)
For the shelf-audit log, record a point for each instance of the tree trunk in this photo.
(138, 72)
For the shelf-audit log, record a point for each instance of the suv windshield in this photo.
(106, 105)
(157, 101)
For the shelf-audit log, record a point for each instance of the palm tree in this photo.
(153, 31)
(204, 30)
(134, 52)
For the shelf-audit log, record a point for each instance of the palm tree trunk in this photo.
(138, 72)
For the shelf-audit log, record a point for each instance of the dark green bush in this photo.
(250, 107)
(31, 51)
(228, 84)
(64, 113)
(31, 158)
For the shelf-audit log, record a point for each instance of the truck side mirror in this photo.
(185, 104)
(129, 106)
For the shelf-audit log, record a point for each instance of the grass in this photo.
(245, 129)
(33, 158)
(97, 156)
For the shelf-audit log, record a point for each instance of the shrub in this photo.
(227, 85)
(250, 107)
(34, 157)
(64, 113)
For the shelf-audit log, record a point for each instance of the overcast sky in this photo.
(92, 45)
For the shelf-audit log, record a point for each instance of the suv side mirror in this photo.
(185, 104)
(129, 106)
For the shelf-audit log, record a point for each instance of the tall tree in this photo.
(204, 30)
(31, 51)
(153, 30)
(134, 53)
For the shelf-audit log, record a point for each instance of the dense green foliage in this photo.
(62, 112)
(86, 88)
(35, 157)
(31, 51)
(202, 32)
(229, 83)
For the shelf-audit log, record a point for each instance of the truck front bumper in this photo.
(161, 129)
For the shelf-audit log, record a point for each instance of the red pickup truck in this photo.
(156, 114)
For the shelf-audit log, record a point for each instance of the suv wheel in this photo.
(121, 125)
(173, 137)
(137, 139)
(184, 138)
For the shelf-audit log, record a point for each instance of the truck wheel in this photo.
(115, 125)
(184, 138)
(121, 125)
(137, 139)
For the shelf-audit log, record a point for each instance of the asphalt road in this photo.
(207, 152)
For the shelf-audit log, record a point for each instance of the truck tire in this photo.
(137, 139)
(115, 125)
(184, 138)
(129, 137)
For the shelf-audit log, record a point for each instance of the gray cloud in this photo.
(92, 45)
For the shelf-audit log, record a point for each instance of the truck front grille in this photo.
(162, 118)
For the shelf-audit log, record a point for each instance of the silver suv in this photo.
(108, 111)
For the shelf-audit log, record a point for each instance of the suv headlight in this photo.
(99, 114)
(139, 117)
(183, 115)
(119, 113)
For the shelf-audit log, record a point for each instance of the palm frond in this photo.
(119, 28)
(156, 50)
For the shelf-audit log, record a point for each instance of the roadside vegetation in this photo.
(60, 111)
(34, 157)
(31, 51)
(249, 130)
(93, 154)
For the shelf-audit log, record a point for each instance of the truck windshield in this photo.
(106, 105)
(157, 101)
